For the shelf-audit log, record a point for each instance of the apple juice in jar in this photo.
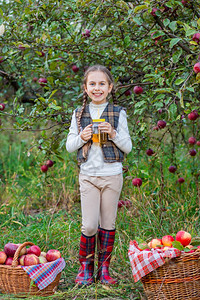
(98, 136)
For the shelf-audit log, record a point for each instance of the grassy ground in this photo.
(45, 209)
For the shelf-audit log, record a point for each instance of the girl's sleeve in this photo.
(74, 141)
(122, 138)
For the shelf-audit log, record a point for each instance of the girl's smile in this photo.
(97, 87)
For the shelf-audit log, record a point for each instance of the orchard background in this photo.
(151, 48)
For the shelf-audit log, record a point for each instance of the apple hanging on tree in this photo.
(138, 90)
(42, 81)
(2, 106)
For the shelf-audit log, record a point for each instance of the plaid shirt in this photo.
(111, 152)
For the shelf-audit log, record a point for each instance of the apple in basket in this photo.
(154, 243)
(34, 249)
(3, 257)
(53, 254)
(167, 240)
(183, 237)
(8, 261)
(10, 249)
(42, 259)
(31, 259)
(43, 253)
(21, 260)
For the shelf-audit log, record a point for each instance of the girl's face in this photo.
(97, 87)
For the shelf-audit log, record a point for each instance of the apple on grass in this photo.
(3, 257)
(167, 240)
(53, 254)
(183, 237)
(137, 182)
(172, 169)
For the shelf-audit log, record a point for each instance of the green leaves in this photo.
(174, 41)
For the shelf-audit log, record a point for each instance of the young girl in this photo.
(100, 175)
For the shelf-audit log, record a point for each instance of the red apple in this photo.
(196, 37)
(42, 81)
(149, 152)
(183, 237)
(121, 203)
(155, 128)
(181, 180)
(42, 259)
(49, 163)
(8, 261)
(193, 152)
(86, 33)
(34, 249)
(198, 143)
(21, 260)
(2, 106)
(161, 124)
(53, 254)
(137, 182)
(192, 140)
(167, 240)
(138, 90)
(3, 257)
(196, 67)
(31, 259)
(193, 115)
(75, 68)
(172, 169)
(10, 249)
(44, 168)
(127, 93)
(35, 79)
(128, 203)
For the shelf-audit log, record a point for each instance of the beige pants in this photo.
(99, 201)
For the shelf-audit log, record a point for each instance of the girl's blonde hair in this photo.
(110, 79)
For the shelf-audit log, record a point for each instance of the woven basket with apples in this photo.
(13, 278)
(178, 278)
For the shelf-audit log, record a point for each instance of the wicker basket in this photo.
(177, 279)
(14, 280)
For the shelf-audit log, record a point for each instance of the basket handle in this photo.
(17, 252)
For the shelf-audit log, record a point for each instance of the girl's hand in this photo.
(106, 127)
(86, 134)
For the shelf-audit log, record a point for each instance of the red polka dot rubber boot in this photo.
(86, 259)
(106, 240)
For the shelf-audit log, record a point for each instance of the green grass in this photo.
(45, 209)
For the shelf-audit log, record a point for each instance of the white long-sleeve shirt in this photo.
(95, 165)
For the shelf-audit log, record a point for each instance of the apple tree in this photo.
(151, 48)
